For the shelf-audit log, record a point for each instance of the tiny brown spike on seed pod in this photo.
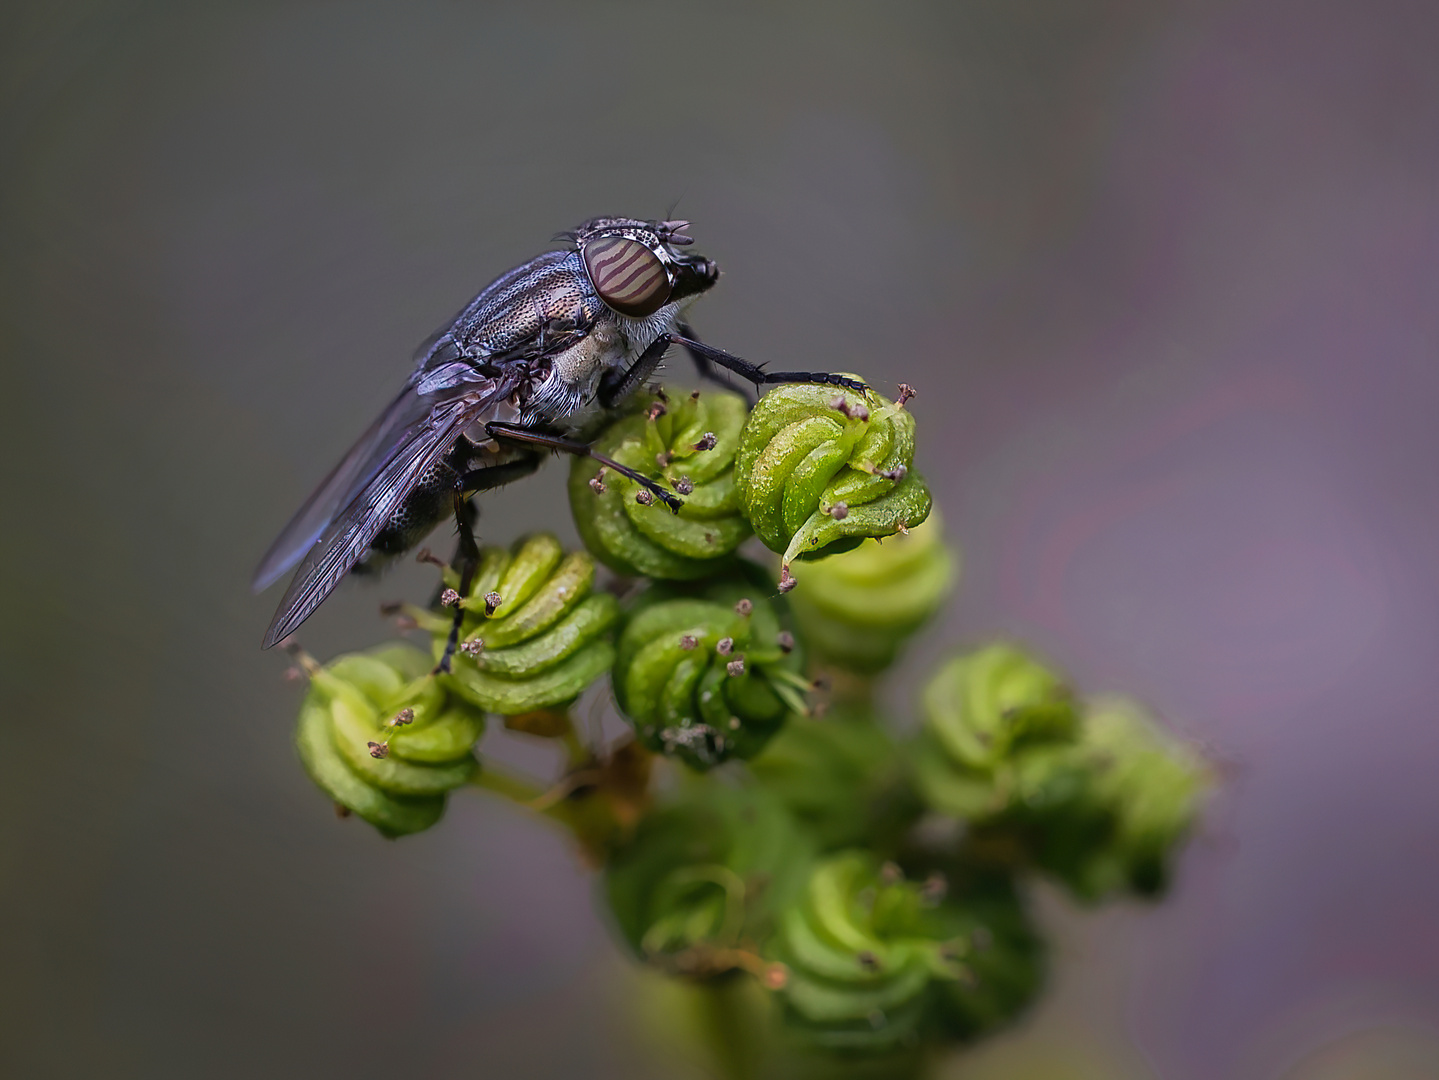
(905, 393)
(643, 497)
(744, 607)
(684, 485)
(404, 716)
(473, 647)
(597, 482)
(725, 646)
(492, 602)
(735, 667)
(839, 511)
(708, 442)
(449, 598)
(379, 750)
(689, 642)
(785, 640)
(786, 579)
(657, 410)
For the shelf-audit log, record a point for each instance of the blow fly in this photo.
(535, 363)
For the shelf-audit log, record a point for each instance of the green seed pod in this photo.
(535, 633)
(386, 740)
(861, 951)
(701, 879)
(819, 470)
(707, 671)
(980, 710)
(1096, 794)
(841, 777)
(1108, 812)
(688, 446)
(857, 609)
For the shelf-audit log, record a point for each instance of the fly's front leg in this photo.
(704, 366)
(467, 557)
(616, 386)
(528, 436)
(757, 374)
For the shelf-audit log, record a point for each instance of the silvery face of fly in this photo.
(531, 365)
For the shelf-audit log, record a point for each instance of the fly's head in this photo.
(639, 270)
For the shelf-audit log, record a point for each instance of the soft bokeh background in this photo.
(1164, 274)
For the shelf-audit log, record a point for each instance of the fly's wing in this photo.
(364, 459)
(404, 458)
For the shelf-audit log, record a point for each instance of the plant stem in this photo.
(511, 785)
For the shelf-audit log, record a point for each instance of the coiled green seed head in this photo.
(703, 876)
(706, 672)
(1094, 794)
(819, 470)
(857, 609)
(1108, 812)
(983, 710)
(535, 632)
(862, 951)
(386, 740)
(688, 445)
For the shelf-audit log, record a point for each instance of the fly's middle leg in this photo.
(531, 437)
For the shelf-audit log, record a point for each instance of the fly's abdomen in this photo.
(430, 502)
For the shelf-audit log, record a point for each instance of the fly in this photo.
(534, 364)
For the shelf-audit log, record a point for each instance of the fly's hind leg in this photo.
(467, 554)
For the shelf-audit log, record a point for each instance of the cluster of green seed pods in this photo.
(1094, 792)
(856, 610)
(385, 740)
(708, 671)
(688, 445)
(819, 471)
(535, 632)
(873, 938)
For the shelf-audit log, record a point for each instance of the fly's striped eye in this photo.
(628, 276)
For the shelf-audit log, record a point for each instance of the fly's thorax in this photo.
(567, 397)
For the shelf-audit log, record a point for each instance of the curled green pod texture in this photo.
(862, 952)
(981, 709)
(1108, 812)
(703, 876)
(687, 444)
(986, 704)
(857, 609)
(1095, 794)
(386, 740)
(707, 671)
(819, 470)
(535, 632)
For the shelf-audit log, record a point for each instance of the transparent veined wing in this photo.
(369, 485)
